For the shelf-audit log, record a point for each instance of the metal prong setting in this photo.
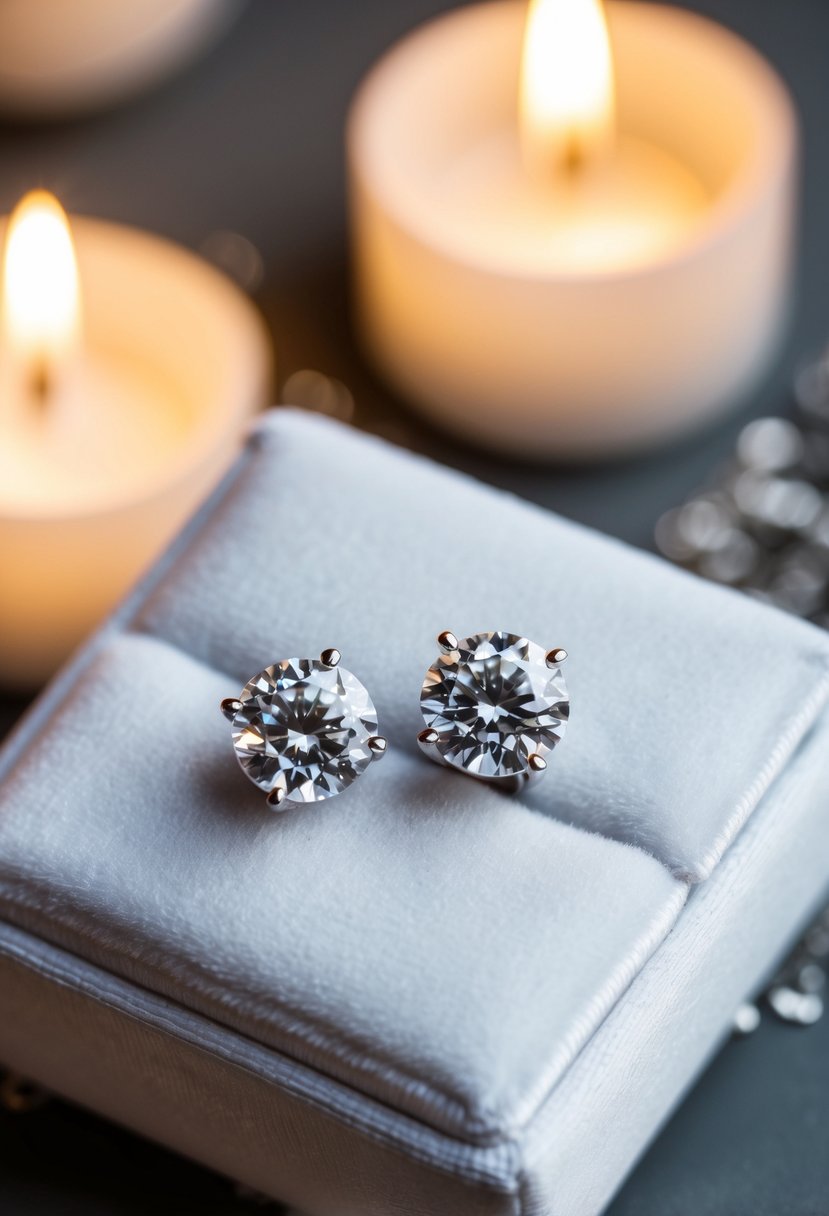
(537, 763)
(330, 657)
(447, 641)
(428, 738)
(377, 746)
(230, 707)
(555, 656)
(276, 797)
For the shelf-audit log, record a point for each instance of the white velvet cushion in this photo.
(292, 1132)
(687, 700)
(421, 940)
(422, 937)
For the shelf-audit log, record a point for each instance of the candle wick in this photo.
(572, 158)
(41, 383)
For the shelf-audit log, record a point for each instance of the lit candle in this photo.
(127, 373)
(572, 226)
(562, 188)
(58, 58)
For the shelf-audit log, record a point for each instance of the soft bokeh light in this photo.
(312, 390)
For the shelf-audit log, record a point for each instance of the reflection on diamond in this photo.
(304, 728)
(494, 702)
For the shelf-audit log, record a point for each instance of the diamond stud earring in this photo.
(495, 705)
(304, 729)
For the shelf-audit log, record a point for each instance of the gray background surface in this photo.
(250, 140)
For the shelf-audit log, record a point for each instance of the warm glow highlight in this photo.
(41, 295)
(566, 101)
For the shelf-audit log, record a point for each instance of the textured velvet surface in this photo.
(171, 1074)
(483, 986)
(732, 932)
(229, 1104)
(421, 936)
(686, 699)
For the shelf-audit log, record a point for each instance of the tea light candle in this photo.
(128, 370)
(572, 235)
(58, 59)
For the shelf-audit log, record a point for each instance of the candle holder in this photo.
(178, 361)
(492, 338)
(60, 59)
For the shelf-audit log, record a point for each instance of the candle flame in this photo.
(566, 102)
(41, 293)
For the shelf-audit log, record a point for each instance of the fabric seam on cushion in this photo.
(800, 726)
(493, 1165)
(538, 1135)
(561, 1061)
(294, 1028)
(480, 1127)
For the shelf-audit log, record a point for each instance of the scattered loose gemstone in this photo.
(746, 1019)
(494, 702)
(304, 727)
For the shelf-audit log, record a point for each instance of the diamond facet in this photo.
(304, 727)
(494, 702)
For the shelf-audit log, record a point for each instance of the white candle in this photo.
(126, 378)
(626, 210)
(582, 258)
(59, 58)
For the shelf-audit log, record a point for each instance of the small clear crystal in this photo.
(304, 727)
(494, 702)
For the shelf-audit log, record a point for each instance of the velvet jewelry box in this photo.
(422, 996)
